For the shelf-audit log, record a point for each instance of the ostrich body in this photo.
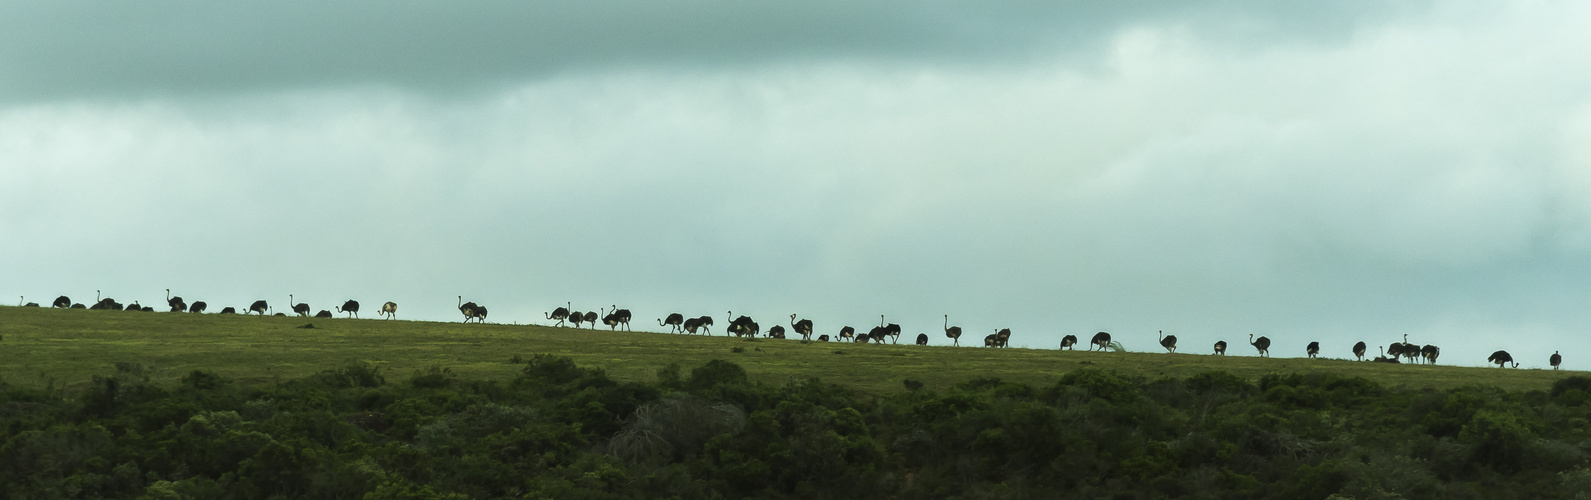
(198, 307)
(259, 306)
(622, 316)
(1429, 353)
(1263, 345)
(1383, 357)
(301, 309)
(847, 333)
(954, 332)
(1555, 360)
(559, 314)
(691, 325)
(323, 314)
(1409, 351)
(706, 324)
(922, 339)
(1220, 347)
(742, 326)
(591, 319)
(877, 333)
(389, 309)
(803, 327)
(78, 305)
(893, 330)
(228, 310)
(610, 319)
(1069, 342)
(776, 332)
(176, 303)
(673, 323)
(351, 307)
(1168, 341)
(1359, 350)
(576, 318)
(989, 341)
(1002, 337)
(62, 302)
(1502, 358)
(1312, 349)
(470, 310)
(1101, 340)
(823, 338)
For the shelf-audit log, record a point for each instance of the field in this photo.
(40, 346)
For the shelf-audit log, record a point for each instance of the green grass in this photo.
(41, 346)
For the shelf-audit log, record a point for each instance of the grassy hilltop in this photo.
(69, 346)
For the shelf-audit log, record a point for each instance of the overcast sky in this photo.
(1341, 172)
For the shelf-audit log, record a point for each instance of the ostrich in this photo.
(990, 340)
(389, 309)
(1312, 349)
(1409, 350)
(470, 310)
(1395, 349)
(847, 333)
(862, 339)
(228, 310)
(954, 332)
(707, 323)
(301, 309)
(623, 316)
(751, 328)
(1220, 347)
(1555, 360)
(576, 318)
(176, 303)
(1502, 358)
(1168, 341)
(591, 319)
(823, 338)
(893, 330)
(198, 307)
(323, 314)
(258, 306)
(351, 307)
(1069, 342)
(922, 339)
(560, 314)
(134, 307)
(803, 327)
(1383, 357)
(1359, 350)
(148, 309)
(877, 333)
(1263, 344)
(690, 325)
(62, 302)
(1101, 339)
(1002, 337)
(1430, 352)
(740, 326)
(480, 314)
(78, 305)
(777, 332)
(673, 323)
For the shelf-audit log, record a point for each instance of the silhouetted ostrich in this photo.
(1409, 350)
(623, 315)
(751, 328)
(673, 323)
(738, 326)
(30, 304)
(690, 325)
(78, 305)
(1383, 357)
(862, 339)
(1101, 340)
(990, 340)
(470, 310)
(176, 303)
(954, 332)
(198, 307)
(323, 314)
(560, 314)
(1430, 352)
(803, 327)
(1312, 349)
(1168, 341)
(351, 307)
(301, 309)
(134, 307)
(389, 309)
(847, 333)
(893, 331)
(62, 302)
(707, 324)
(576, 318)
(776, 332)
(228, 310)
(1002, 337)
(148, 309)
(1263, 344)
(591, 319)
(480, 314)
(877, 333)
(1359, 350)
(259, 306)
(610, 319)
(1555, 360)
(922, 339)
(1220, 347)
(1069, 342)
(1502, 358)
(823, 338)
(1395, 349)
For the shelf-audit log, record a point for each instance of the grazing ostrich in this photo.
(228, 310)
(623, 316)
(1220, 347)
(777, 332)
(148, 309)
(1069, 342)
(1359, 350)
(803, 327)
(740, 326)
(62, 302)
(560, 314)
(198, 307)
(1002, 337)
(1430, 352)
(389, 309)
(1263, 344)
(893, 330)
(954, 332)
(351, 306)
(1312, 349)
(24, 298)
(847, 333)
(990, 340)
(576, 318)
(176, 303)
(690, 325)
(134, 307)
(591, 319)
(1101, 339)
(673, 323)
(823, 338)
(1555, 360)
(1395, 349)
(862, 339)
(751, 328)
(480, 314)
(78, 305)
(1383, 357)
(707, 324)
(258, 306)
(877, 333)
(323, 314)
(1168, 341)
(301, 309)
(922, 339)
(1502, 358)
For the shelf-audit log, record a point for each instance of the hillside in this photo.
(67, 347)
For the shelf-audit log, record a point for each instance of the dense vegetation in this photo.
(559, 430)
